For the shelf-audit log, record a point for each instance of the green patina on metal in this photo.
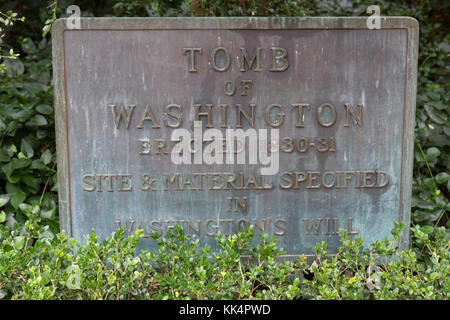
(341, 95)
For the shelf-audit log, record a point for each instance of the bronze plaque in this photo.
(325, 107)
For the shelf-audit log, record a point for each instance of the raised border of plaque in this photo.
(260, 23)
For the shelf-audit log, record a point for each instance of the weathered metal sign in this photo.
(149, 113)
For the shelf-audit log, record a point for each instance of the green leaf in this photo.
(42, 43)
(19, 242)
(19, 163)
(32, 182)
(2, 126)
(26, 148)
(74, 280)
(29, 210)
(4, 156)
(21, 155)
(14, 177)
(2, 216)
(440, 202)
(433, 153)
(37, 121)
(48, 214)
(18, 198)
(44, 109)
(429, 205)
(420, 157)
(442, 177)
(4, 199)
(25, 207)
(428, 229)
(14, 67)
(429, 183)
(22, 114)
(28, 46)
(46, 157)
(12, 188)
(45, 30)
(40, 134)
(38, 164)
(435, 115)
(10, 221)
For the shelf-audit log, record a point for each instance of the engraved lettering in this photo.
(280, 224)
(192, 51)
(149, 116)
(123, 114)
(246, 60)
(87, 179)
(249, 118)
(245, 84)
(229, 88)
(176, 116)
(320, 115)
(224, 57)
(312, 225)
(207, 113)
(279, 59)
(300, 114)
(279, 115)
(356, 117)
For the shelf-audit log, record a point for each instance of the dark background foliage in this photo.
(27, 145)
(28, 184)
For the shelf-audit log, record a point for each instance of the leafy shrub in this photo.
(27, 139)
(37, 262)
(42, 267)
(378, 272)
(27, 143)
